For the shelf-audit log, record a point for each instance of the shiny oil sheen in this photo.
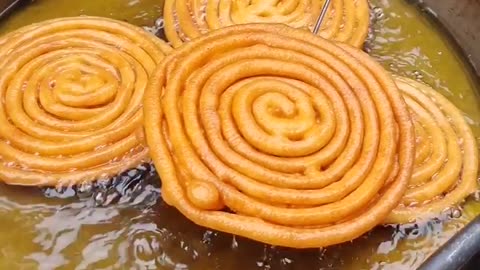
(41, 233)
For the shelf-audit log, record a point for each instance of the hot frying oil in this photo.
(41, 233)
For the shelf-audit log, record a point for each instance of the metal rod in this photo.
(321, 16)
(6, 7)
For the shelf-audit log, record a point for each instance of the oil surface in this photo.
(41, 233)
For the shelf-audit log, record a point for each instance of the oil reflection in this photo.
(148, 234)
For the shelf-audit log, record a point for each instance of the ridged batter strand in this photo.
(346, 21)
(446, 160)
(71, 100)
(271, 133)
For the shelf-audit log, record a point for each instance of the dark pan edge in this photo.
(459, 20)
(460, 252)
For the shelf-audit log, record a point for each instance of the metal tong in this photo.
(320, 18)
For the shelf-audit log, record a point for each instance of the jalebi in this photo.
(346, 21)
(446, 161)
(71, 100)
(271, 133)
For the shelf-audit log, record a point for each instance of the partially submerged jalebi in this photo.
(271, 133)
(346, 21)
(446, 158)
(71, 108)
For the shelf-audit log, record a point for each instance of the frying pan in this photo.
(460, 20)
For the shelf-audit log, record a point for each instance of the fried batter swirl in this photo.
(446, 160)
(346, 21)
(268, 132)
(71, 99)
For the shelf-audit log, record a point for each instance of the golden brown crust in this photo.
(346, 21)
(71, 108)
(446, 161)
(297, 136)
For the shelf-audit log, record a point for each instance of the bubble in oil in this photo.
(102, 183)
(128, 187)
(99, 198)
(85, 190)
(453, 212)
(369, 42)
(160, 23)
(286, 261)
(181, 266)
(157, 29)
(265, 261)
(263, 265)
(147, 248)
(418, 75)
(411, 239)
(476, 194)
(379, 13)
(234, 244)
(321, 253)
(208, 237)
(62, 192)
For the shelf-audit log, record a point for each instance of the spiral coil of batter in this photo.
(346, 20)
(446, 159)
(71, 100)
(307, 143)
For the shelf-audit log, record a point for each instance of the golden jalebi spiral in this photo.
(446, 161)
(71, 99)
(268, 132)
(346, 21)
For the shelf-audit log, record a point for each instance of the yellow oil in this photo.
(139, 12)
(40, 233)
